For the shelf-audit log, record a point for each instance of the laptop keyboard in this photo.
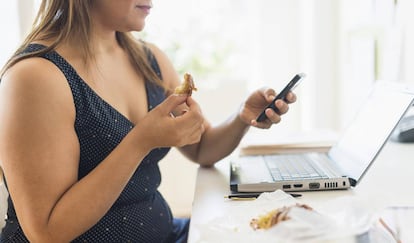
(292, 167)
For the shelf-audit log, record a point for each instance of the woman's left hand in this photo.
(257, 101)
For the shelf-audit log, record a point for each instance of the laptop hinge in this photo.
(352, 181)
(234, 177)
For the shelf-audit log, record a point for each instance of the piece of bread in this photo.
(274, 217)
(187, 86)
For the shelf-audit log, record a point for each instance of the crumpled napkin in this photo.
(339, 218)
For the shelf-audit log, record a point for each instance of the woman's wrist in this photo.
(241, 122)
(139, 142)
(241, 118)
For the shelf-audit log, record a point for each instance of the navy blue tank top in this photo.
(140, 214)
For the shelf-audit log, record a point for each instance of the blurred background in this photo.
(232, 47)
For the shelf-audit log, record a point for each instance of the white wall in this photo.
(3, 203)
(406, 23)
(16, 18)
(9, 23)
(300, 36)
(10, 37)
(375, 43)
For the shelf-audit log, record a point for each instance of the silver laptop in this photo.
(343, 165)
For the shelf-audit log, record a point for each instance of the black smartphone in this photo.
(282, 95)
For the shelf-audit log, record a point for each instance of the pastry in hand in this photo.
(187, 86)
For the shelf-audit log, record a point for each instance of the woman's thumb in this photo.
(174, 100)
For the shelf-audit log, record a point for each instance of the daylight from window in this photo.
(232, 47)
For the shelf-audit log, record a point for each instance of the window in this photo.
(234, 46)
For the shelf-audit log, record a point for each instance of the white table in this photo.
(387, 183)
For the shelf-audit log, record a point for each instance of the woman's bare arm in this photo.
(219, 141)
(39, 153)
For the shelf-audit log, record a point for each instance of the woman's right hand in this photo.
(162, 129)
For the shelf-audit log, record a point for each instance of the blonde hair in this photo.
(62, 21)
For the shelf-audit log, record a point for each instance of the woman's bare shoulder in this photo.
(34, 73)
(34, 81)
(28, 67)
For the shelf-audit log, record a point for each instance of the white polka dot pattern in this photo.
(140, 214)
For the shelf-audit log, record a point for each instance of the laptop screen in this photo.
(371, 127)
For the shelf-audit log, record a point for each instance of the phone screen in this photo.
(282, 95)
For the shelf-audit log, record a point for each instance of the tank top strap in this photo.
(153, 61)
(75, 82)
